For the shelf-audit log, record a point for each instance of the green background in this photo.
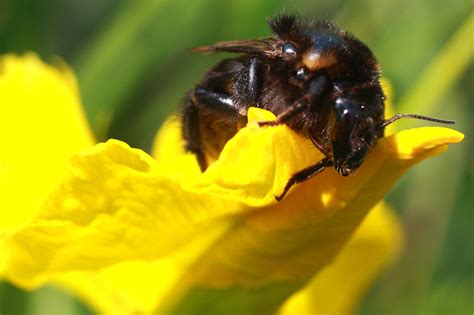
(133, 63)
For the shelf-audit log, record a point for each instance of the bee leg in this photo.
(221, 102)
(246, 83)
(287, 115)
(191, 133)
(201, 100)
(304, 175)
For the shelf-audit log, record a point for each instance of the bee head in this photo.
(357, 123)
(353, 133)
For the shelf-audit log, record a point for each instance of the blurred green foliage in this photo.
(133, 63)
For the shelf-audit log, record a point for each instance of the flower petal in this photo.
(338, 288)
(168, 151)
(279, 247)
(257, 162)
(140, 286)
(136, 287)
(253, 167)
(41, 126)
(114, 206)
(118, 205)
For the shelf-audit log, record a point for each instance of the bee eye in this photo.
(289, 51)
(301, 74)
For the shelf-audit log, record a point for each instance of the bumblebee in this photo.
(318, 79)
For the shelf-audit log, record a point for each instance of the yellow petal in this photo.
(278, 247)
(139, 286)
(253, 167)
(257, 162)
(168, 150)
(114, 206)
(41, 126)
(119, 205)
(136, 287)
(338, 288)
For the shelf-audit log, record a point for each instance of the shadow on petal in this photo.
(339, 287)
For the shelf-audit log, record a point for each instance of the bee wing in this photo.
(252, 46)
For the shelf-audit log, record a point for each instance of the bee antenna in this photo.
(398, 116)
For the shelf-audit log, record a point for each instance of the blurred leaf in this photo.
(405, 43)
(111, 68)
(23, 26)
(449, 297)
(13, 300)
(442, 73)
(49, 300)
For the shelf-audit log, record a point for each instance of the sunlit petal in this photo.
(41, 126)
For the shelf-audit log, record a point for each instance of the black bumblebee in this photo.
(316, 78)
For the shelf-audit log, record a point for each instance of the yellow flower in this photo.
(130, 233)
